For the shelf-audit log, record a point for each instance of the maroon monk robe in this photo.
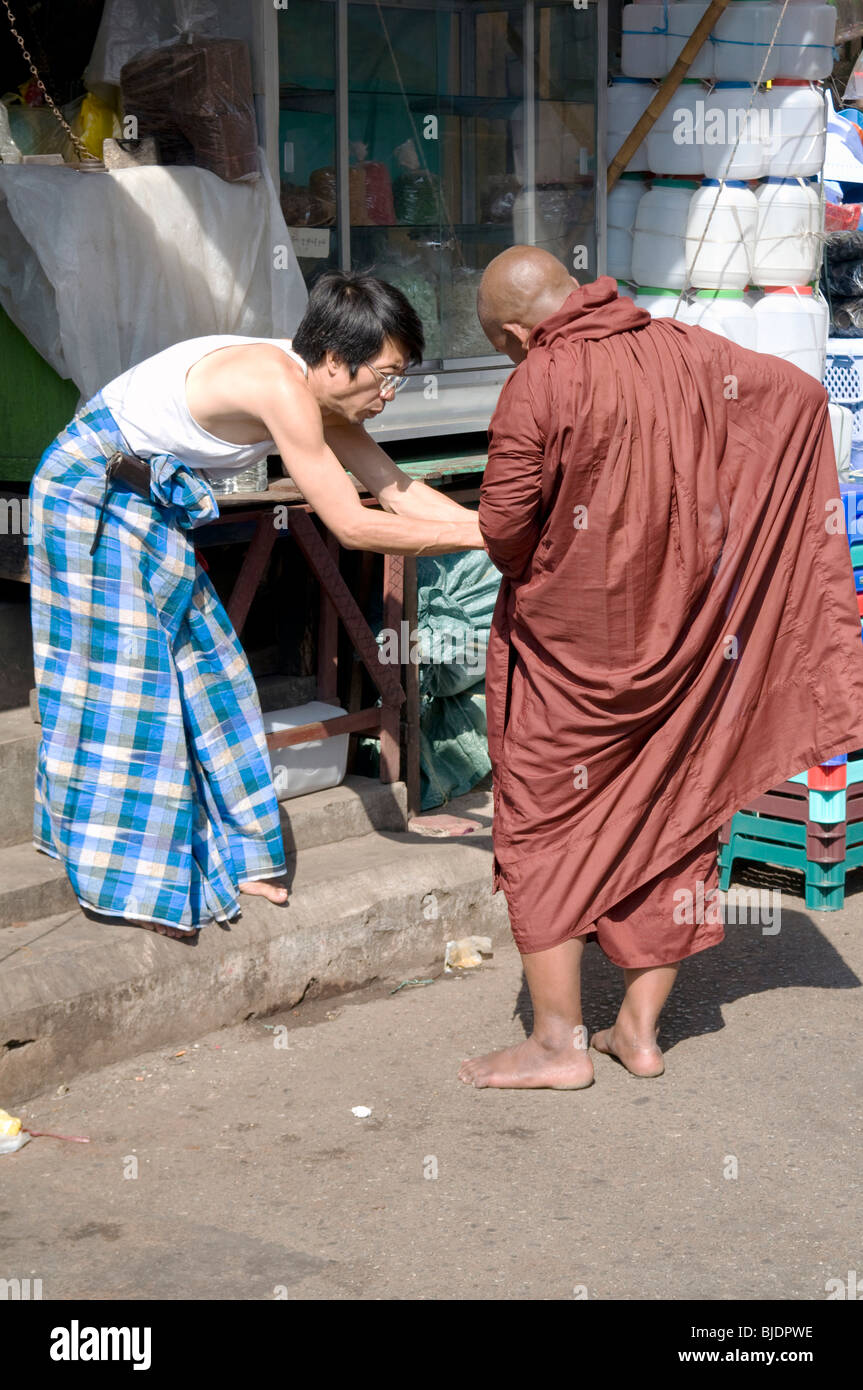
(677, 628)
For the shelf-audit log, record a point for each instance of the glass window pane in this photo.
(307, 131)
(565, 168)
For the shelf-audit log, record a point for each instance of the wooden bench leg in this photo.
(252, 571)
(394, 567)
(328, 636)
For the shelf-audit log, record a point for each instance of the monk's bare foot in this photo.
(641, 1060)
(530, 1064)
(176, 933)
(273, 892)
(443, 826)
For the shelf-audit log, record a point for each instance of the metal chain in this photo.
(78, 143)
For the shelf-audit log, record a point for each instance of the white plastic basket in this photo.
(843, 377)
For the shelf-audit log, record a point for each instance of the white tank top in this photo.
(149, 405)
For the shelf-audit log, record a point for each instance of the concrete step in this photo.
(76, 994)
(33, 884)
(19, 740)
(359, 805)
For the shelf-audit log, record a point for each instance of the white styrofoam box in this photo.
(306, 767)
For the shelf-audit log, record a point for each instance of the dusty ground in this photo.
(254, 1179)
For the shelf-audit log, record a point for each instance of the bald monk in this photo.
(676, 632)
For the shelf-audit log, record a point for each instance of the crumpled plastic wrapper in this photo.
(467, 953)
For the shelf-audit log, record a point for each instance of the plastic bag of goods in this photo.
(322, 187)
(844, 246)
(844, 279)
(97, 123)
(840, 217)
(462, 331)
(36, 130)
(371, 191)
(456, 595)
(412, 278)
(416, 191)
(195, 97)
(847, 318)
(301, 208)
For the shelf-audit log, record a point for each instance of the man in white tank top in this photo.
(159, 798)
(356, 339)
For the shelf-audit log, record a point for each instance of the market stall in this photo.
(208, 161)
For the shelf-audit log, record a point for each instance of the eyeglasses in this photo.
(388, 382)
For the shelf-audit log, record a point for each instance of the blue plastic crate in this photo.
(852, 504)
(824, 883)
(854, 773)
(827, 807)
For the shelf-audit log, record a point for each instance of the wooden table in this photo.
(282, 511)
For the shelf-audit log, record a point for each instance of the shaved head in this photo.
(521, 287)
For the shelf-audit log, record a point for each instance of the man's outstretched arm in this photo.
(293, 421)
(396, 492)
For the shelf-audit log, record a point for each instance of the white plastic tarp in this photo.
(101, 270)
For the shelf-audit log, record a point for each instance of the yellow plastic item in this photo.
(97, 121)
(9, 1126)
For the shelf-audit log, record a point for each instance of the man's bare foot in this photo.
(529, 1064)
(641, 1060)
(176, 933)
(259, 888)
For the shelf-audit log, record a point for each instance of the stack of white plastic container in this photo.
(721, 199)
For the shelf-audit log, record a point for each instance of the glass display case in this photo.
(419, 138)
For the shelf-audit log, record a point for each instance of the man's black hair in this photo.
(351, 314)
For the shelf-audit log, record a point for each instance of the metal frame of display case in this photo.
(488, 371)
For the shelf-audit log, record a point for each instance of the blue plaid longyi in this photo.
(153, 781)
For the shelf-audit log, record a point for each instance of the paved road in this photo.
(253, 1176)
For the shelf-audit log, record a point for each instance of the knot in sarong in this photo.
(182, 490)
